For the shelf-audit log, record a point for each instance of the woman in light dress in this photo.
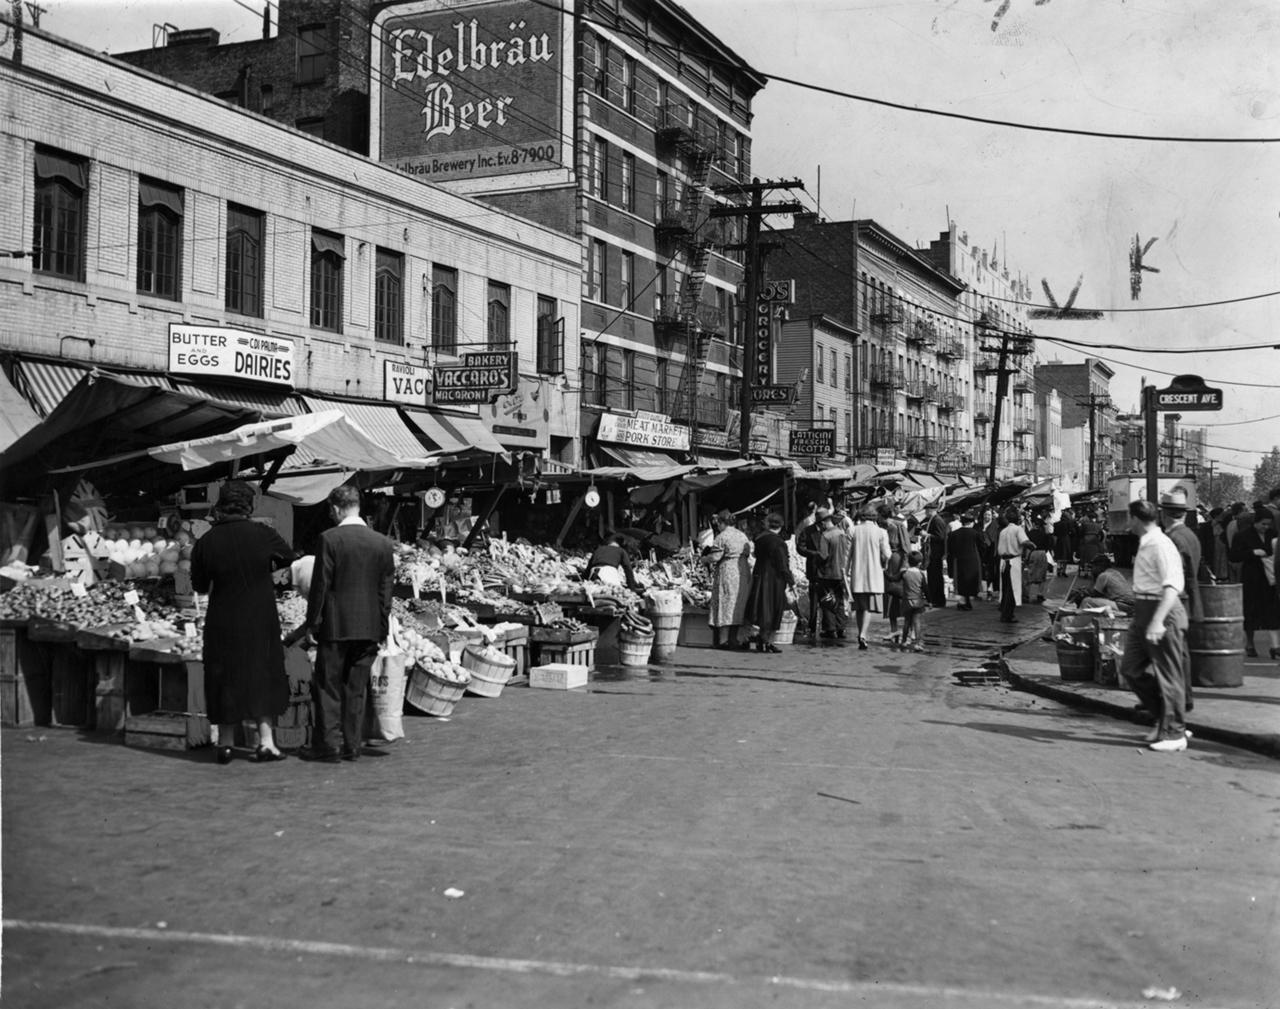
(730, 559)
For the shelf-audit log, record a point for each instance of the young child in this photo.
(915, 600)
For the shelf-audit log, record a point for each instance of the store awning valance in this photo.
(16, 415)
(50, 165)
(49, 382)
(640, 464)
(454, 434)
(268, 402)
(381, 422)
(152, 195)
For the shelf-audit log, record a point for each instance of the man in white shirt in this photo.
(1155, 643)
(1011, 545)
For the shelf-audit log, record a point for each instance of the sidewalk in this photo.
(1247, 716)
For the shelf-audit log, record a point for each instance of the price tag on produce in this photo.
(139, 615)
(78, 590)
(132, 598)
(415, 579)
(189, 629)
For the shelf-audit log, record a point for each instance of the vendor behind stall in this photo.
(1109, 586)
(611, 563)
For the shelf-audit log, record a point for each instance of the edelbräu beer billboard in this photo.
(470, 90)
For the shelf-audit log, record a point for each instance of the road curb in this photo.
(1264, 745)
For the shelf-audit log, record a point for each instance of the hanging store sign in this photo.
(772, 294)
(406, 383)
(470, 90)
(481, 378)
(813, 441)
(649, 430)
(217, 352)
(1188, 392)
(767, 395)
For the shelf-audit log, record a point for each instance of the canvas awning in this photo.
(381, 422)
(16, 415)
(455, 434)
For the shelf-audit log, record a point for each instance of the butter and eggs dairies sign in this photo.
(218, 352)
(469, 90)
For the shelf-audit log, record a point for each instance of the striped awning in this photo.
(46, 383)
(271, 402)
(454, 434)
(380, 422)
(16, 415)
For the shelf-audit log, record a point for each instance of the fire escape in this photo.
(684, 225)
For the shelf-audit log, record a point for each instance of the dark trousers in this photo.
(937, 586)
(1155, 672)
(833, 620)
(1007, 605)
(338, 689)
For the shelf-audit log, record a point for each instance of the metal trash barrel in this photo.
(1216, 640)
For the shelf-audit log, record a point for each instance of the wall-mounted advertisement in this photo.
(219, 352)
(470, 90)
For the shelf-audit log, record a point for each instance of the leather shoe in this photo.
(364, 751)
(319, 756)
(265, 756)
(1175, 745)
(772, 648)
(224, 754)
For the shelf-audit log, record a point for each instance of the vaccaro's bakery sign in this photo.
(469, 90)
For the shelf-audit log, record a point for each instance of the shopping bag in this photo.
(384, 713)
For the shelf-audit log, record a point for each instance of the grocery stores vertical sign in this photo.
(470, 90)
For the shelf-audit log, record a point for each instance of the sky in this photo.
(1053, 207)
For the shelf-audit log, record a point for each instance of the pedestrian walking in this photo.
(1091, 535)
(244, 673)
(935, 552)
(809, 546)
(1173, 515)
(1011, 547)
(833, 568)
(963, 549)
(869, 554)
(1064, 533)
(1152, 663)
(899, 546)
(915, 586)
(730, 559)
(1039, 563)
(348, 613)
(1252, 548)
(771, 584)
(988, 539)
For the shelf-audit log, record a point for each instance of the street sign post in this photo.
(1184, 393)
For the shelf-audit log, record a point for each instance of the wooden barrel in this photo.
(1216, 640)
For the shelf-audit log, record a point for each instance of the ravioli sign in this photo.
(469, 90)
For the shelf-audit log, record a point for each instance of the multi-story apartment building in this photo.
(909, 396)
(158, 224)
(609, 120)
(1087, 409)
(1048, 435)
(817, 355)
(994, 304)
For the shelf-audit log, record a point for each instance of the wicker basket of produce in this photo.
(435, 687)
(490, 670)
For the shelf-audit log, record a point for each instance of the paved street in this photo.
(820, 828)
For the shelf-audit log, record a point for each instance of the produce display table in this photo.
(164, 696)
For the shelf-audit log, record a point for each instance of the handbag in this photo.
(894, 587)
(1269, 569)
(829, 601)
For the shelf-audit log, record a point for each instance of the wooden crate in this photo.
(582, 654)
(166, 730)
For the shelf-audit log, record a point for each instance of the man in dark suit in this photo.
(348, 613)
(936, 532)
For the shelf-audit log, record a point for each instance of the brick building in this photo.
(1087, 408)
(163, 215)
(650, 111)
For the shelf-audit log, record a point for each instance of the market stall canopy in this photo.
(16, 415)
(640, 464)
(379, 421)
(455, 434)
(105, 415)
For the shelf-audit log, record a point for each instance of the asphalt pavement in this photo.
(824, 827)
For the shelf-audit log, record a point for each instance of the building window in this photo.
(444, 309)
(327, 259)
(620, 377)
(835, 375)
(245, 260)
(628, 194)
(595, 271)
(848, 431)
(600, 168)
(313, 54)
(848, 372)
(550, 338)
(662, 385)
(499, 316)
(627, 285)
(629, 84)
(267, 100)
(601, 83)
(822, 355)
(662, 293)
(662, 191)
(59, 235)
(388, 297)
(312, 124)
(159, 239)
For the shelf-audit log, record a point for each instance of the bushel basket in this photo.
(432, 694)
(489, 673)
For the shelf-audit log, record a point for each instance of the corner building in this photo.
(155, 221)
(608, 120)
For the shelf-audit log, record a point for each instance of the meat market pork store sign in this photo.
(217, 352)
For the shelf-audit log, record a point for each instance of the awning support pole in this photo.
(481, 522)
(568, 523)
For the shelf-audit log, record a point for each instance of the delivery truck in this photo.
(1128, 487)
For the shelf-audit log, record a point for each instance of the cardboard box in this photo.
(558, 676)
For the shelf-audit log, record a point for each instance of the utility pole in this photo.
(1008, 348)
(755, 212)
(1095, 402)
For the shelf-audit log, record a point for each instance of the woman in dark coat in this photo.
(963, 547)
(1252, 542)
(988, 537)
(1091, 533)
(770, 579)
(1064, 534)
(244, 675)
